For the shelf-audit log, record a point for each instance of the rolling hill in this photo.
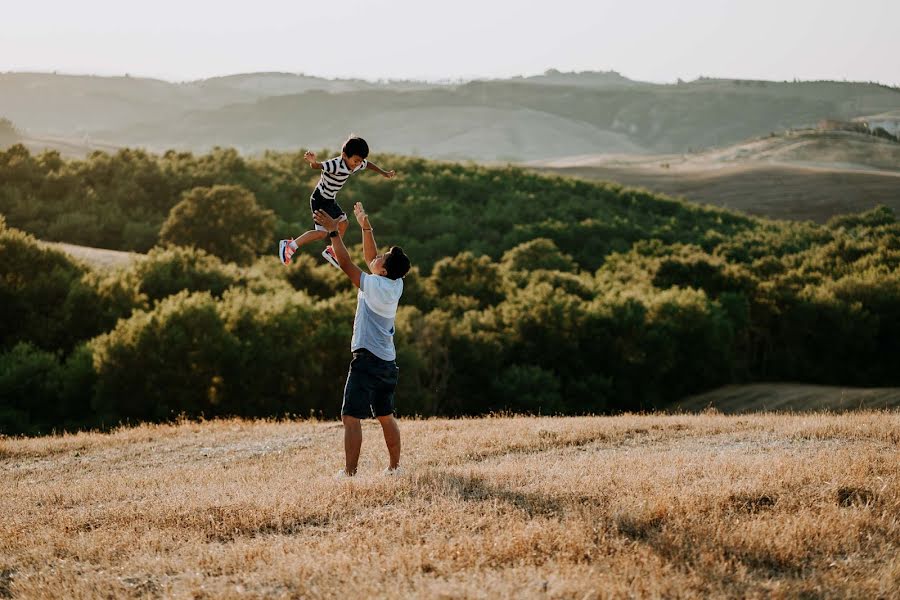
(801, 174)
(790, 397)
(547, 116)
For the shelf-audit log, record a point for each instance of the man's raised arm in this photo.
(370, 250)
(340, 251)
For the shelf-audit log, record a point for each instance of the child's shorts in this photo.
(319, 202)
(369, 391)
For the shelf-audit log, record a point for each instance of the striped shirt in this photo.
(335, 173)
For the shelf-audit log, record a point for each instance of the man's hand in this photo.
(390, 174)
(337, 244)
(368, 238)
(361, 217)
(309, 157)
(325, 220)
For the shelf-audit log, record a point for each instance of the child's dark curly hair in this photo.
(356, 146)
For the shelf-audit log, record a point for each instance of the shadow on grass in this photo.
(477, 489)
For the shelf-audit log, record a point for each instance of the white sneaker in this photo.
(328, 253)
(285, 252)
(342, 474)
(389, 472)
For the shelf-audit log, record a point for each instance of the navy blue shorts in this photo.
(369, 391)
(319, 202)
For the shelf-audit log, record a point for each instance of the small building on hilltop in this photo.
(837, 125)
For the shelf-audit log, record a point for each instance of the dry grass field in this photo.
(632, 506)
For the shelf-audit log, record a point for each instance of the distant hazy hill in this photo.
(591, 79)
(83, 104)
(551, 115)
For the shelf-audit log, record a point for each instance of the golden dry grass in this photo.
(97, 258)
(630, 506)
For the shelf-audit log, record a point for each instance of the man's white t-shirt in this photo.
(376, 308)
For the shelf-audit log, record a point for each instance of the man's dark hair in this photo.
(396, 263)
(356, 146)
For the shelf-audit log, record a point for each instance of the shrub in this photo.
(167, 271)
(39, 393)
(466, 275)
(539, 253)
(224, 220)
(527, 388)
(35, 283)
(160, 363)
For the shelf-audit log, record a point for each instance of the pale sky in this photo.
(650, 40)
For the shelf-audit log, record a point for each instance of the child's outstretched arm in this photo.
(373, 167)
(310, 157)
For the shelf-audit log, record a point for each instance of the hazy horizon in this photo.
(645, 41)
(419, 80)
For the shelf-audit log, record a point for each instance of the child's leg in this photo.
(342, 228)
(311, 236)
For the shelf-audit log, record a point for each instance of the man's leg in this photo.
(352, 442)
(391, 438)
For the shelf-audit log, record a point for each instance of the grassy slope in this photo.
(649, 506)
(802, 175)
(98, 258)
(759, 397)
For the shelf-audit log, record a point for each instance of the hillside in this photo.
(731, 399)
(97, 258)
(68, 147)
(644, 299)
(636, 506)
(802, 174)
(654, 118)
(785, 397)
(65, 105)
(551, 115)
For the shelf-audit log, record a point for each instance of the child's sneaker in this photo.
(285, 252)
(328, 253)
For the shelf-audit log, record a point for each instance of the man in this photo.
(369, 390)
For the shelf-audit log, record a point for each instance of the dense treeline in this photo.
(122, 201)
(530, 293)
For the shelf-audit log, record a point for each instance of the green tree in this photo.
(527, 388)
(167, 271)
(467, 275)
(224, 220)
(171, 360)
(539, 253)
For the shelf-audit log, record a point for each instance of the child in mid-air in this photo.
(335, 173)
